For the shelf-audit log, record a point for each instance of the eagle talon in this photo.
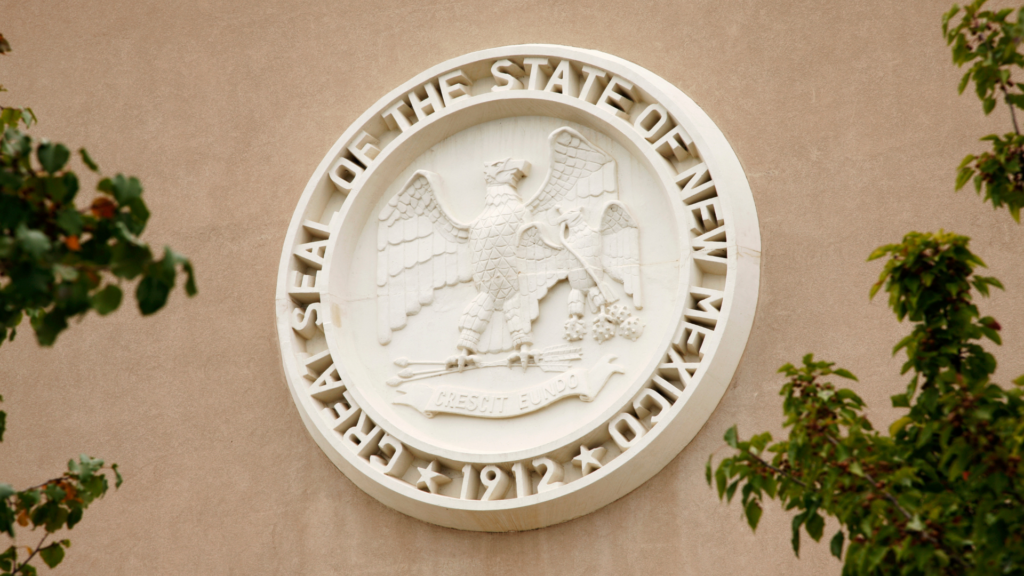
(523, 357)
(460, 361)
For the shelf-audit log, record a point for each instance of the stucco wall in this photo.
(844, 115)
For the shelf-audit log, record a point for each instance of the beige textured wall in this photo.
(846, 119)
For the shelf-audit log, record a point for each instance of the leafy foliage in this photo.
(943, 491)
(11, 116)
(58, 261)
(52, 505)
(988, 41)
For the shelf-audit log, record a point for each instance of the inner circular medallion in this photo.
(598, 262)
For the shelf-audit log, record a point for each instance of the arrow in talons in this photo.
(556, 358)
(404, 362)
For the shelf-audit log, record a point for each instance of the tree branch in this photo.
(775, 469)
(39, 546)
(896, 504)
(1013, 115)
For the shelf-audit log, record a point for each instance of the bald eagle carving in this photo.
(504, 252)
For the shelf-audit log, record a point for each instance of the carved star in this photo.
(431, 478)
(589, 460)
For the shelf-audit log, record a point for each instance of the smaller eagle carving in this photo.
(504, 252)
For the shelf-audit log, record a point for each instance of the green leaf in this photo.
(730, 437)
(124, 190)
(836, 545)
(720, 481)
(963, 83)
(916, 524)
(856, 468)
(731, 490)
(900, 424)
(32, 241)
(753, 514)
(6, 246)
(815, 526)
(74, 517)
(52, 157)
(8, 558)
(70, 221)
(798, 520)
(28, 117)
(52, 554)
(107, 300)
(190, 281)
(900, 401)
(10, 117)
(88, 160)
(844, 373)
(151, 294)
(65, 272)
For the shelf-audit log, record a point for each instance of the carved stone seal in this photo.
(517, 286)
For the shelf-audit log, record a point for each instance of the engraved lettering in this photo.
(707, 215)
(593, 83)
(307, 322)
(397, 117)
(647, 401)
(618, 97)
(344, 173)
(496, 481)
(695, 184)
(363, 438)
(524, 485)
(622, 425)
(328, 387)
(652, 122)
(707, 306)
(470, 483)
(364, 148)
(312, 253)
(428, 105)
(551, 474)
(506, 76)
(564, 80)
(342, 414)
(455, 86)
(396, 459)
(675, 144)
(539, 69)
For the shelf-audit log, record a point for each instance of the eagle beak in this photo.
(522, 166)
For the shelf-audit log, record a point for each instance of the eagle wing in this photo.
(541, 265)
(420, 248)
(620, 254)
(581, 174)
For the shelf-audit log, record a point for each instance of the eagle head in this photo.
(507, 171)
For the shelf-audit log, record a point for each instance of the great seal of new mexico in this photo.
(517, 286)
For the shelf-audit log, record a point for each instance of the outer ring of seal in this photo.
(721, 348)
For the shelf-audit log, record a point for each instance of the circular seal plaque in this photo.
(517, 286)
